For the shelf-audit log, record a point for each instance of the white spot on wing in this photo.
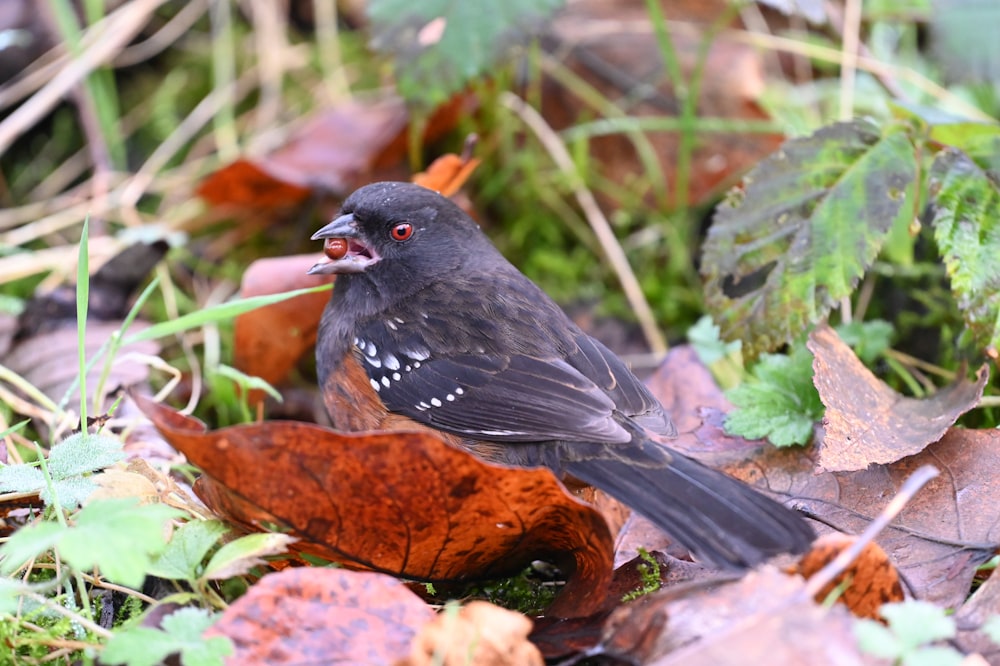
(391, 362)
(385, 382)
(391, 325)
(374, 384)
(435, 402)
(373, 361)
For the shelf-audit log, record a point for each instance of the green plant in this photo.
(649, 577)
(912, 637)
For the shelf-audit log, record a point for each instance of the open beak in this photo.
(358, 255)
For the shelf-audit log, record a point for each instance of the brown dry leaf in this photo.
(477, 634)
(334, 152)
(401, 503)
(982, 606)
(870, 581)
(937, 541)
(866, 421)
(447, 173)
(269, 341)
(322, 616)
(764, 618)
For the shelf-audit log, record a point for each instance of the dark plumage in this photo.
(453, 337)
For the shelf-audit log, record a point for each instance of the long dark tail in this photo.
(722, 521)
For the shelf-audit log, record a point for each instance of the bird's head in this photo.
(396, 234)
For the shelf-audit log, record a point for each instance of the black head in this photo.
(399, 237)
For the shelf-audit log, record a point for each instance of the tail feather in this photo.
(722, 521)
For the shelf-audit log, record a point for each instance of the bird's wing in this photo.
(611, 375)
(493, 397)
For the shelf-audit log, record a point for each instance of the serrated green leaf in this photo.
(182, 633)
(705, 337)
(78, 455)
(239, 556)
(118, 535)
(182, 558)
(979, 141)
(967, 231)
(808, 222)
(875, 639)
(779, 402)
(917, 623)
(440, 45)
(28, 543)
(868, 339)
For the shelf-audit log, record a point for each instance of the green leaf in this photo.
(967, 231)
(440, 45)
(705, 337)
(992, 628)
(21, 479)
(239, 556)
(807, 223)
(868, 339)
(875, 639)
(78, 455)
(181, 633)
(27, 543)
(182, 558)
(118, 535)
(779, 402)
(917, 623)
(979, 141)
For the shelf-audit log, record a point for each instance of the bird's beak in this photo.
(343, 227)
(349, 254)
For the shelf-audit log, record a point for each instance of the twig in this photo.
(598, 222)
(827, 574)
(849, 66)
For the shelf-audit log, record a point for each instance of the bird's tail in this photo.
(721, 520)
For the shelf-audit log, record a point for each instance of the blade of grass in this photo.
(216, 314)
(82, 300)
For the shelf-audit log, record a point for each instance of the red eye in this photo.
(401, 232)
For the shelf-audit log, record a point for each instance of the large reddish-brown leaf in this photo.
(401, 503)
(322, 616)
(866, 420)
(332, 152)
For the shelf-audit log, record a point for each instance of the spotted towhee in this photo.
(429, 327)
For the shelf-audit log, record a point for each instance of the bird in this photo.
(430, 328)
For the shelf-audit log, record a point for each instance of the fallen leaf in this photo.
(867, 421)
(331, 152)
(322, 616)
(477, 634)
(870, 581)
(401, 503)
(981, 607)
(447, 173)
(937, 541)
(763, 618)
